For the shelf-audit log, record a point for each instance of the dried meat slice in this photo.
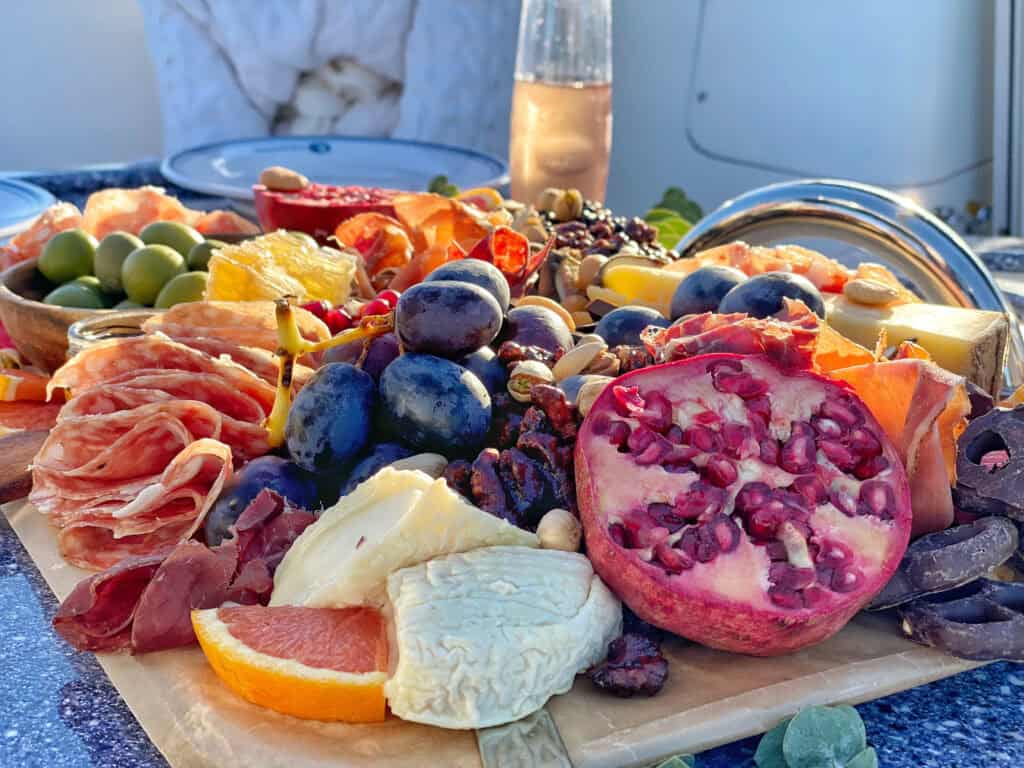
(208, 388)
(28, 244)
(220, 222)
(191, 577)
(923, 409)
(97, 615)
(168, 510)
(130, 210)
(104, 362)
(245, 323)
(258, 361)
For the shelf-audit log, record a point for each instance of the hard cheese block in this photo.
(969, 342)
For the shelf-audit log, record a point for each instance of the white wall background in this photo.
(76, 84)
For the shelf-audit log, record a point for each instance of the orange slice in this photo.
(313, 663)
(484, 198)
(19, 384)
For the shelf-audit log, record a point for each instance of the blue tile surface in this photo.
(58, 710)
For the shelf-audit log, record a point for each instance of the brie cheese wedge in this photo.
(488, 636)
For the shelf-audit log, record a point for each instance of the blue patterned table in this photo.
(58, 710)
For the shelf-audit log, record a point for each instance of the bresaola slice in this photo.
(763, 509)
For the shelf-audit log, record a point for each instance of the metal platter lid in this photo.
(853, 222)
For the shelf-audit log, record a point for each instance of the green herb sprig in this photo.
(440, 185)
(818, 737)
(673, 216)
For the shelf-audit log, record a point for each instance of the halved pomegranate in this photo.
(318, 209)
(739, 505)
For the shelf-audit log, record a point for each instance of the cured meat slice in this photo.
(205, 387)
(97, 615)
(130, 210)
(28, 244)
(25, 414)
(245, 323)
(223, 223)
(166, 511)
(192, 577)
(247, 438)
(923, 409)
(103, 362)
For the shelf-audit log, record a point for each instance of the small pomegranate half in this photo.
(318, 209)
(745, 507)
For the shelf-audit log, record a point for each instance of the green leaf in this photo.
(671, 230)
(679, 761)
(676, 200)
(769, 750)
(655, 215)
(823, 737)
(866, 759)
(440, 185)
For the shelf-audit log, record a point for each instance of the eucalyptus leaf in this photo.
(671, 227)
(866, 759)
(769, 750)
(440, 185)
(676, 200)
(679, 761)
(823, 737)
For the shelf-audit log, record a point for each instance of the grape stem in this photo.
(291, 345)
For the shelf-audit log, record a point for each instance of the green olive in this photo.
(199, 256)
(110, 255)
(173, 234)
(148, 269)
(67, 255)
(75, 294)
(182, 289)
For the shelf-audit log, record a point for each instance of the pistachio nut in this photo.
(588, 394)
(525, 375)
(577, 359)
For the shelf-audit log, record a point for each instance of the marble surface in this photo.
(60, 711)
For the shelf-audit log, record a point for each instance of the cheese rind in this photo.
(395, 519)
(968, 342)
(487, 637)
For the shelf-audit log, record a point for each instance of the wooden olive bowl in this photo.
(39, 331)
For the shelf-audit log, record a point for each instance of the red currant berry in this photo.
(338, 320)
(319, 308)
(375, 307)
(389, 297)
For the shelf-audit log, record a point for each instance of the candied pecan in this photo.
(457, 474)
(560, 412)
(505, 429)
(542, 445)
(488, 490)
(632, 358)
(562, 484)
(526, 485)
(511, 352)
(534, 420)
(634, 666)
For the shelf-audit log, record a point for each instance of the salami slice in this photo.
(259, 361)
(104, 362)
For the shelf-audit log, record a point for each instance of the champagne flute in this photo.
(561, 132)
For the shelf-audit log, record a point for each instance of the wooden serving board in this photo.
(17, 450)
(711, 698)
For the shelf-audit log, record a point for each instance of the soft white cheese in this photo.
(393, 520)
(487, 637)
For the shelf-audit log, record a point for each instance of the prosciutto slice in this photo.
(144, 602)
(923, 409)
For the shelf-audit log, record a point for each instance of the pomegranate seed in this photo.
(826, 427)
(707, 418)
(699, 501)
(617, 532)
(814, 595)
(319, 308)
(389, 297)
(838, 454)
(727, 534)
(742, 384)
(673, 560)
(655, 451)
(724, 365)
(790, 577)
(665, 516)
(810, 488)
(675, 434)
(627, 400)
(657, 412)
(776, 551)
(797, 455)
(760, 411)
(375, 307)
(338, 320)
(877, 498)
(702, 438)
(844, 502)
(600, 422)
(736, 438)
(833, 553)
(841, 412)
(864, 444)
(769, 451)
(720, 471)
(618, 432)
(640, 438)
(707, 544)
(846, 579)
(763, 523)
(753, 496)
(688, 542)
(785, 598)
(870, 467)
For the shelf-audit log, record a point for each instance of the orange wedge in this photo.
(484, 198)
(313, 663)
(19, 384)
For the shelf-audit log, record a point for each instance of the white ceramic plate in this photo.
(230, 168)
(20, 203)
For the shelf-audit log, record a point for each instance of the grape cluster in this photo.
(597, 230)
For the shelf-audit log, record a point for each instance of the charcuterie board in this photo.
(711, 698)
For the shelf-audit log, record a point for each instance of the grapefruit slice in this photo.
(312, 663)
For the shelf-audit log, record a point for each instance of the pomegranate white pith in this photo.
(738, 505)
